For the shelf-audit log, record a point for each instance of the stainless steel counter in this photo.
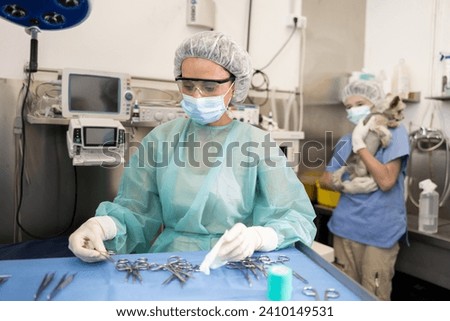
(427, 257)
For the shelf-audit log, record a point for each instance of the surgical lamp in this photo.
(37, 15)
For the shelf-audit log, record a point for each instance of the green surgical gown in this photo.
(186, 184)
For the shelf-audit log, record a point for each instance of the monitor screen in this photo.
(100, 136)
(96, 94)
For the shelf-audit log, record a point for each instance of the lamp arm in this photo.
(33, 64)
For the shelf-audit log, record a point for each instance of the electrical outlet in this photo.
(301, 21)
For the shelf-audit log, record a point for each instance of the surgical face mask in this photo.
(355, 114)
(204, 110)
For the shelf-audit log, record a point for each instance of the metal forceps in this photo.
(65, 281)
(132, 269)
(106, 254)
(239, 266)
(180, 268)
(254, 265)
(282, 259)
(330, 293)
(4, 278)
(44, 284)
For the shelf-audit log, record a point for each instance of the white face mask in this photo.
(355, 114)
(204, 110)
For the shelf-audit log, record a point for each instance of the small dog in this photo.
(387, 115)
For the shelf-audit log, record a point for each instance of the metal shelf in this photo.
(34, 120)
(47, 120)
(439, 97)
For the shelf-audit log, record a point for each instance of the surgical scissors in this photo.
(281, 259)
(180, 268)
(330, 293)
(132, 269)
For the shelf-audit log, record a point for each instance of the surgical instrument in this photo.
(251, 264)
(4, 278)
(254, 263)
(106, 254)
(132, 269)
(179, 268)
(310, 291)
(281, 259)
(65, 281)
(239, 266)
(330, 293)
(45, 282)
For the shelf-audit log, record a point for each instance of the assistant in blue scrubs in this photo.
(370, 218)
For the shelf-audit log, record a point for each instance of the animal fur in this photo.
(387, 115)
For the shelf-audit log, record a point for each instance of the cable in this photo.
(301, 79)
(416, 142)
(283, 46)
(265, 84)
(22, 161)
(75, 199)
(20, 182)
(18, 156)
(427, 140)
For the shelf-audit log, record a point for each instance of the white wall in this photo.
(417, 31)
(400, 29)
(140, 37)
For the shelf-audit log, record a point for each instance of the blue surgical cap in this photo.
(222, 50)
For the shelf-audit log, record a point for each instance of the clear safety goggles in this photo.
(206, 87)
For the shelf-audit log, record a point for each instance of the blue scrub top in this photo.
(377, 218)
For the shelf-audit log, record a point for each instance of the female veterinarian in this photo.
(370, 217)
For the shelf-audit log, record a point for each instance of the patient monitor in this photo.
(95, 102)
(96, 141)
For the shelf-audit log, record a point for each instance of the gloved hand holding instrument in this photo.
(87, 241)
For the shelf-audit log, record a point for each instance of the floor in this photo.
(404, 286)
(409, 288)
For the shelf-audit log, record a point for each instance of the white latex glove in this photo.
(359, 185)
(211, 260)
(359, 135)
(241, 241)
(87, 241)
